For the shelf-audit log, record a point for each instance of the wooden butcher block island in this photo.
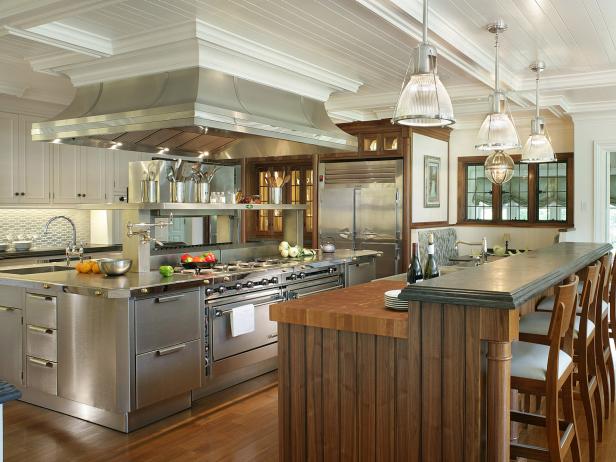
(360, 382)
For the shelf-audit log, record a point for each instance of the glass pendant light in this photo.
(497, 133)
(538, 147)
(499, 167)
(423, 101)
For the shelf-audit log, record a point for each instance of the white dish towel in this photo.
(242, 320)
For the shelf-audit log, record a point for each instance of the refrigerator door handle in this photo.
(356, 190)
(397, 205)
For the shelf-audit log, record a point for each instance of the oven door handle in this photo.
(221, 313)
(319, 291)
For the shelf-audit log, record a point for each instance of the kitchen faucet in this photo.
(71, 248)
(483, 244)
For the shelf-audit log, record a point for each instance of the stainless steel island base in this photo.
(124, 422)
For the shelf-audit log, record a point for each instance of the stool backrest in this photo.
(589, 294)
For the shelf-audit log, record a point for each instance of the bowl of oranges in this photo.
(88, 266)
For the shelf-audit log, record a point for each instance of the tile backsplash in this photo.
(29, 222)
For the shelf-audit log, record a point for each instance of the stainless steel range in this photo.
(260, 282)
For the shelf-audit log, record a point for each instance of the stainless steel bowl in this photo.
(115, 266)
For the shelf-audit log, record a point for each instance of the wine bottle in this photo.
(431, 270)
(414, 273)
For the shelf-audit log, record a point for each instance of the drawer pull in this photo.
(170, 350)
(6, 308)
(271, 336)
(45, 298)
(40, 362)
(42, 330)
(171, 298)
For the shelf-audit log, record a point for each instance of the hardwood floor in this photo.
(243, 429)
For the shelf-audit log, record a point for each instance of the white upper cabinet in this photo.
(79, 174)
(9, 158)
(34, 165)
(24, 164)
(120, 160)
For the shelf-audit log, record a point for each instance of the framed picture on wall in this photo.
(432, 180)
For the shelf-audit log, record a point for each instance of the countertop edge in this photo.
(503, 300)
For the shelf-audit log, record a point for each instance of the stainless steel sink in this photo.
(37, 269)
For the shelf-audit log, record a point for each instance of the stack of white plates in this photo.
(393, 303)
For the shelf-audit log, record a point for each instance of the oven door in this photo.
(265, 333)
(303, 289)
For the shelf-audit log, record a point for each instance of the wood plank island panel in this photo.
(347, 397)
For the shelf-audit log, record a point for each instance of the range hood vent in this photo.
(195, 112)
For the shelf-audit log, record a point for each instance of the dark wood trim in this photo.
(533, 210)
(430, 224)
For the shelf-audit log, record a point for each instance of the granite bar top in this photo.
(54, 251)
(8, 392)
(511, 281)
(359, 308)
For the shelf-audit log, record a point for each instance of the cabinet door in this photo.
(11, 345)
(66, 173)
(33, 165)
(121, 160)
(93, 166)
(9, 164)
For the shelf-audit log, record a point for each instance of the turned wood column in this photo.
(498, 397)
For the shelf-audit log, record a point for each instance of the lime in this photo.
(166, 271)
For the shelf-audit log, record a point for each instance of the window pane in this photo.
(552, 192)
(514, 198)
(478, 194)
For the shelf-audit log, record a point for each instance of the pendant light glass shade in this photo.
(499, 167)
(423, 100)
(497, 132)
(538, 147)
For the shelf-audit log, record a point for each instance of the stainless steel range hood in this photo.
(195, 112)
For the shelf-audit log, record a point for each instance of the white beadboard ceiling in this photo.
(341, 45)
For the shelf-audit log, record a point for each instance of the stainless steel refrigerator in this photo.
(360, 207)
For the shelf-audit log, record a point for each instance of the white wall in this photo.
(462, 144)
(588, 129)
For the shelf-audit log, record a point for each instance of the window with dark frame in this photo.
(538, 194)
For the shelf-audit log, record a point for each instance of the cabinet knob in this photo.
(98, 293)
(83, 195)
(144, 291)
(46, 286)
(23, 194)
(17, 194)
(78, 195)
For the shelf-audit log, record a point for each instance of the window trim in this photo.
(533, 196)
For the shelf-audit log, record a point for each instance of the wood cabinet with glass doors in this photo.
(538, 194)
(267, 224)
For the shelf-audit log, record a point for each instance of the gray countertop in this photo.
(508, 282)
(55, 251)
(121, 286)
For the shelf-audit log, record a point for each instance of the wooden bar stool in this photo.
(548, 371)
(534, 327)
(605, 361)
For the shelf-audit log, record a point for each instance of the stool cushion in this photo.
(530, 361)
(547, 304)
(539, 323)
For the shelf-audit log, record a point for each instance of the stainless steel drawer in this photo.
(166, 320)
(167, 372)
(42, 375)
(41, 310)
(42, 342)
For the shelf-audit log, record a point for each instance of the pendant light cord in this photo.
(425, 21)
(496, 72)
(537, 95)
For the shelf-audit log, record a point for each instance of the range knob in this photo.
(264, 282)
(293, 277)
(332, 270)
(222, 289)
(209, 292)
(302, 275)
(274, 280)
(249, 284)
(238, 286)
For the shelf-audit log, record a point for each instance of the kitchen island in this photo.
(351, 383)
(103, 348)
